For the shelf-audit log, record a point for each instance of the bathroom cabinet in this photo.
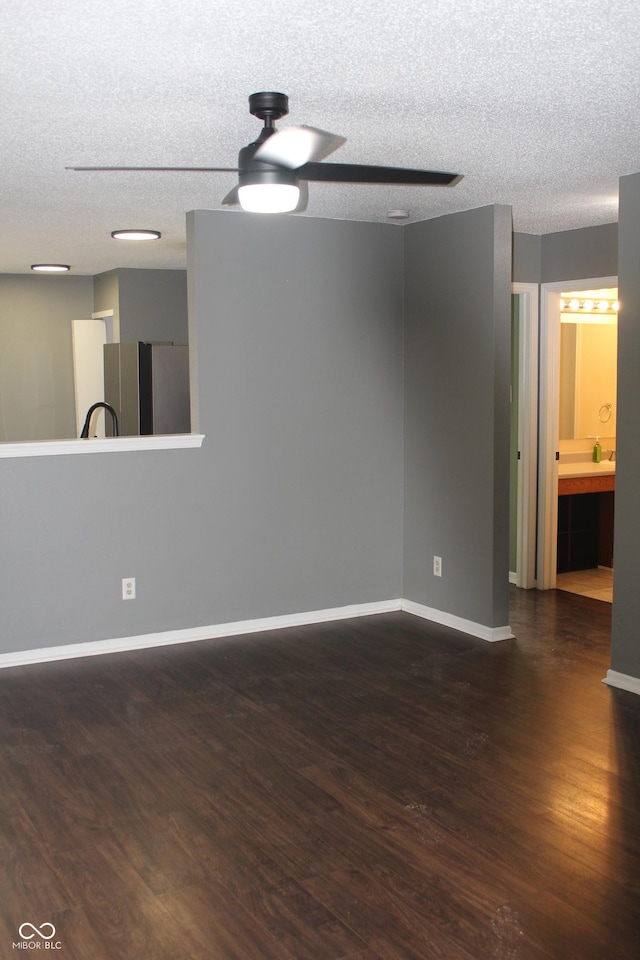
(585, 522)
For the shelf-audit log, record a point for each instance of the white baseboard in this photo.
(217, 631)
(458, 623)
(623, 681)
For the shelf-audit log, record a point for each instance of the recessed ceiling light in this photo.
(50, 267)
(136, 234)
(398, 214)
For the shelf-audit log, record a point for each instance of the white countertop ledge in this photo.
(586, 469)
(57, 448)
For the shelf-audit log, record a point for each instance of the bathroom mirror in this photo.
(588, 378)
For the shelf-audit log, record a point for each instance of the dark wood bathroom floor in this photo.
(373, 789)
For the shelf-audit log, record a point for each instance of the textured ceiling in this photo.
(536, 103)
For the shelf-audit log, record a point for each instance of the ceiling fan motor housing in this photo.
(269, 106)
(252, 171)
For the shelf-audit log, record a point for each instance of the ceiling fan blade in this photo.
(296, 146)
(362, 173)
(232, 197)
(165, 169)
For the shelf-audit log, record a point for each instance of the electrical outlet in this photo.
(129, 588)
(437, 566)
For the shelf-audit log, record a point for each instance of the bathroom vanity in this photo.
(586, 499)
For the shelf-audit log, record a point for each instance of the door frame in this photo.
(525, 573)
(549, 420)
(111, 335)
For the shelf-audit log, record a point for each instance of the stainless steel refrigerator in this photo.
(147, 384)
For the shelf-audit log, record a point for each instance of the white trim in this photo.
(457, 623)
(622, 681)
(54, 448)
(217, 631)
(513, 578)
(549, 412)
(549, 419)
(527, 434)
(99, 647)
(112, 322)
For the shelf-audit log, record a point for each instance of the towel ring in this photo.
(608, 409)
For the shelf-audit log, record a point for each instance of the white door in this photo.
(524, 463)
(89, 337)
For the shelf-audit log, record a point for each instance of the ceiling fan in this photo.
(270, 169)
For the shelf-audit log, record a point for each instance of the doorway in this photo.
(569, 456)
(89, 336)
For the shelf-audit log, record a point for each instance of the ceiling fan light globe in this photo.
(269, 197)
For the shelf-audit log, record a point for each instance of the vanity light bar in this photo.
(589, 306)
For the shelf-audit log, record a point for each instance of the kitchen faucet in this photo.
(107, 406)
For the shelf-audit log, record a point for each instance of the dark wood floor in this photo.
(374, 789)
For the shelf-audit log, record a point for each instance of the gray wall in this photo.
(153, 305)
(148, 304)
(580, 254)
(300, 380)
(567, 255)
(625, 647)
(527, 258)
(457, 367)
(106, 294)
(295, 500)
(37, 399)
